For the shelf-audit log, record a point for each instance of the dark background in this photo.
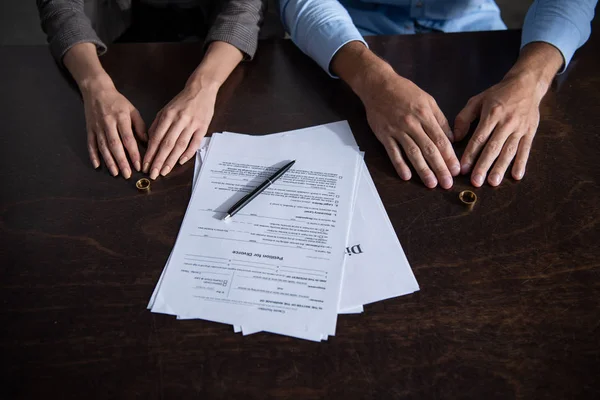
(19, 24)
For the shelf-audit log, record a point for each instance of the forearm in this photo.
(84, 65)
(538, 63)
(218, 63)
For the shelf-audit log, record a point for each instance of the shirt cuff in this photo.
(244, 38)
(324, 44)
(69, 36)
(555, 30)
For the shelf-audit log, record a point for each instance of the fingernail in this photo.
(96, 164)
(520, 175)
(455, 169)
(127, 173)
(114, 171)
(446, 182)
(495, 179)
(165, 170)
(136, 165)
(465, 168)
(451, 136)
(430, 182)
(183, 160)
(146, 166)
(477, 179)
(154, 173)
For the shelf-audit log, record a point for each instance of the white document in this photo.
(277, 261)
(376, 268)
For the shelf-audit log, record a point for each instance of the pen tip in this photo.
(226, 217)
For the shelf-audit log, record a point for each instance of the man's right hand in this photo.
(109, 120)
(401, 115)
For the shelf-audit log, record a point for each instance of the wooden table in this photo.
(510, 298)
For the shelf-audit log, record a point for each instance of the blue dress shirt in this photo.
(321, 27)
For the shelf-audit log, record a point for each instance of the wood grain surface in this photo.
(509, 305)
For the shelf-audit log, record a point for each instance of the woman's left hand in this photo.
(178, 128)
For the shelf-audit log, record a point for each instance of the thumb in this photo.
(138, 125)
(466, 116)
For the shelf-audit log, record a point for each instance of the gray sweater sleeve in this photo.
(238, 23)
(65, 24)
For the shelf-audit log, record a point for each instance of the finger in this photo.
(194, 146)
(165, 148)
(490, 152)
(442, 121)
(413, 152)
(441, 141)
(432, 155)
(93, 149)
(180, 145)
(159, 128)
(466, 116)
(129, 142)
(506, 156)
(518, 170)
(139, 126)
(393, 151)
(154, 124)
(116, 148)
(108, 158)
(479, 139)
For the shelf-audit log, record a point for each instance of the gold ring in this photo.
(468, 198)
(143, 185)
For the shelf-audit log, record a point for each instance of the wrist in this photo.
(373, 79)
(219, 61)
(360, 68)
(537, 66)
(94, 83)
(200, 81)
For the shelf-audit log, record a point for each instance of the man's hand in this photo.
(401, 115)
(109, 119)
(178, 128)
(508, 117)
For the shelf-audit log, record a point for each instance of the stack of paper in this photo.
(318, 242)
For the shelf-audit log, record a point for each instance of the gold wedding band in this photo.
(143, 185)
(468, 198)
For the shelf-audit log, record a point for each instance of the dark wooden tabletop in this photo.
(509, 305)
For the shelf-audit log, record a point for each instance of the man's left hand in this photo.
(509, 114)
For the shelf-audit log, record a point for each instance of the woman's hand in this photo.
(178, 128)
(111, 120)
(110, 117)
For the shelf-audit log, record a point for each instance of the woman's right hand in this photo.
(110, 121)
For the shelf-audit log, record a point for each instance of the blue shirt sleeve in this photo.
(565, 24)
(319, 28)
